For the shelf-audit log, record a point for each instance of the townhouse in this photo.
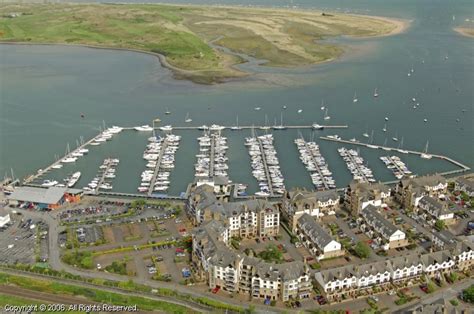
(408, 192)
(300, 201)
(348, 281)
(359, 195)
(385, 234)
(227, 270)
(464, 185)
(317, 240)
(437, 263)
(464, 254)
(436, 209)
(443, 240)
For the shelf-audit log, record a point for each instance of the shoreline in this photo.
(464, 31)
(231, 70)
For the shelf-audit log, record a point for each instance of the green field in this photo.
(182, 33)
(90, 294)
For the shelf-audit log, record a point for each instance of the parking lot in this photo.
(19, 242)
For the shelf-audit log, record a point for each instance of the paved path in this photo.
(55, 262)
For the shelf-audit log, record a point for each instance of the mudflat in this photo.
(185, 36)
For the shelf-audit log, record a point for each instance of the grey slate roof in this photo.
(50, 195)
(374, 218)
(468, 184)
(312, 229)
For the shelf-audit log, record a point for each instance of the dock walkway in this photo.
(265, 166)
(164, 144)
(318, 170)
(454, 162)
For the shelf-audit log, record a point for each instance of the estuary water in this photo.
(45, 89)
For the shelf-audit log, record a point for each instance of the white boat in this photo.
(74, 178)
(317, 126)
(281, 126)
(166, 128)
(236, 127)
(355, 99)
(300, 110)
(376, 94)
(67, 160)
(188, 119)
(203, 127)
(257, 108)
(326, 117)
(57, 166)
(425, 154)
(143, 128)
(216, 127)
(425, 120)
(395, 138)
(385, 127)
(386, 118)
(49, 183)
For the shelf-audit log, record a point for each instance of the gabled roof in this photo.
(374, 218)
(311, 228)
(50, 195)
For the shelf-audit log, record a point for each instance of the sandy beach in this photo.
(465, 31)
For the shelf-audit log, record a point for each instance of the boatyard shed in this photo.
(42, 198)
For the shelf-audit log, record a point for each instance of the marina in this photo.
(160, 157)
(265, 165)
(315, 164)
(211, 159)
(355, 164)
(396, 165)
(103, 180)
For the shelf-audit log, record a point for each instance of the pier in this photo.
(45, 170)
(249, 127)
(212, 155)
(315, 163)
(164, 144)
(463, 167)
(265, 167)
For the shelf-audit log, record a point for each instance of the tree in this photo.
(362, 250)
(440, 225)
(271, 254)
(468, 294)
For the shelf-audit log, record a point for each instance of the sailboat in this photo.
(167, 111)
(384, 147)
(188, 119)
(366, 134)
(384, 127)
(425, 154)
(326, 117)
(400, 147)
(376, 94)
(68, 158)
(281, 126)
(265, 127)
(354, 100)
(236, 126)
(395, 138)
(371, 140)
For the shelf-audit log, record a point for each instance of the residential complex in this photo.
(408, 192)
(317, 240)
(359, 195)
(297, 202)
(435, 209)
(348, 281)
(377, 227)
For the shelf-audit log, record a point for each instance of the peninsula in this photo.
(187, 38)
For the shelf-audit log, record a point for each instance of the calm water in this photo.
(44, 90)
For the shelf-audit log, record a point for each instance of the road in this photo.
(51, 218)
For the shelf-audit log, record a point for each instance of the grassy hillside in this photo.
(181, 33)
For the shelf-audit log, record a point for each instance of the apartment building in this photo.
(409, 191)
(359, 195)
(435, 209)
(317, 240)
(317, 204)
(227, 270)
(385, 234)
(437, 263)
(245, 219)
